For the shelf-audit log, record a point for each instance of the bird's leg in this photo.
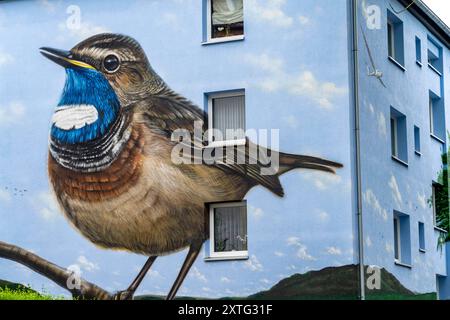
(194, 250)
(128, 294)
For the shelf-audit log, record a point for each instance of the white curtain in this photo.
(227, 11)
(229, 113)
(230, 229)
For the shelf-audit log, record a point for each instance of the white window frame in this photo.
(223, 143)
(232, 255)
(209, 38)
(394, 132)
(433, 204)
(391, 39)
(398, 240)
(423, 233)
(431, 108)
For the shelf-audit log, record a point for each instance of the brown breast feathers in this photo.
(106, 184)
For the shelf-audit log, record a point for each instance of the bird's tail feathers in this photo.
(290, 162)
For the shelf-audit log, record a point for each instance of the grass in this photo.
(25, 293)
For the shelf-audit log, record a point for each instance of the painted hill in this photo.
(330, 283)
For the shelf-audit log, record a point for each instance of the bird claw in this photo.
(123, 295)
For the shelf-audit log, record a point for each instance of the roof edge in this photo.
(431, 21)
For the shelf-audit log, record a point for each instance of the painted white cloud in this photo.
(334, 251)
(279, 254)
(5, 58)
(395, 191)
(87, 265)
(389, 248)
(306, 84)
(368, 242)
(269, 11)
(256, 213)
(382, 126)
(85, 30)
(303, 83)
(301, 249)
(225, 280)
(265, 62)
(12, 113)
(253, 264)
(49, 6)
(422, 199)
(46, 206)
(323, 216)
(291, 121)
(5, 196)
(304, 20)
(370, 198)
(196, 274)
(322, 180)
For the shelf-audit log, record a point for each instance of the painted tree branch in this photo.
(58, 275)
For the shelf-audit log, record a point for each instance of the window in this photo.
(225, 20)
(417, 147)
(399, 143)
(228, 231)
(418, 51)
(395, 39)
(435, 56)
(437, 117)
(438, 201)
(402, 239)
(397, 240)
(226, 118)
(422, 237)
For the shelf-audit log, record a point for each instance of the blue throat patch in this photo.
(89, 87)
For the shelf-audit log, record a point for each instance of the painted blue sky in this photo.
(292, 82)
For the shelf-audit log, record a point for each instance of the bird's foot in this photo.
(123, 295)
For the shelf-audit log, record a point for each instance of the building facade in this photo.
(285, 74)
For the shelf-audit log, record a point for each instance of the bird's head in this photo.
(104, 74)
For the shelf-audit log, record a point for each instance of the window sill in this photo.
(440, 229)
(223, 40)
(230, 143)
(435, 70)
(398, 64)
(418, 153)
(226, 258)
(435, 137)
(419, 63)
(400, 161)
(401, 264)
(422, 251)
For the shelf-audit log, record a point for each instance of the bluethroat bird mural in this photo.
(110, 164)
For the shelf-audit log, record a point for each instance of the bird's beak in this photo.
(63, 58)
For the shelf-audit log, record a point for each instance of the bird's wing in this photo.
(165, 114)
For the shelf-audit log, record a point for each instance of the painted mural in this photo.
(134, 165)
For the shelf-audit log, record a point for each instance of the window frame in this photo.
(397, 240)
(417, 141)
(431, 113)
(419, 51)
(232, 255)
(394, 137)
(219, 95)
(208, 24)
(422, 237)
(391, 40)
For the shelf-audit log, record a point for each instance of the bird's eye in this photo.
(111, 63)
